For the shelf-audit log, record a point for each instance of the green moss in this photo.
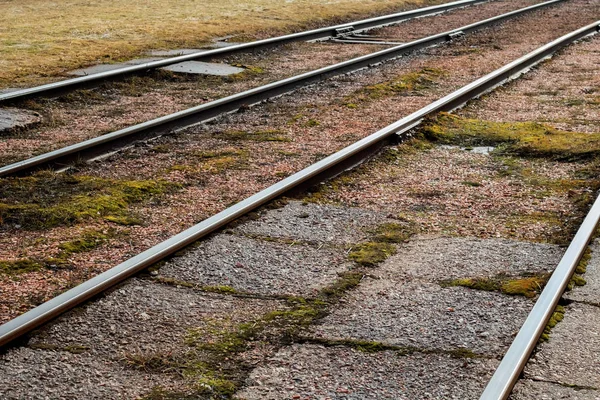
(46, 200)
(556, 317)
(223, 289)
(346, 281)
(161, 149)
(411, 82)
(271, 135)
(125, 220)
(525, 139)
(21, 266)
(371, 253)
(311, 123)
(89, 240)
(471, 183)
(528, 286)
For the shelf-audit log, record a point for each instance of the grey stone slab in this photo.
(8, 90)
(204, 68)
(315, 223)
(147, 317)
(14, 118)
(138, 61)
(572, 355)
(42, 374)
(174, 53)
(315, 372)
(426, 316)
(258, 266)
(452, 258)
(527, 389)
(96, 69)
(590, 292)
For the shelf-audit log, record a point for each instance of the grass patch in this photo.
(525, 139)
(46, 200)
(528, 286)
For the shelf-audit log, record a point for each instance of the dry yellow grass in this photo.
(40, 38)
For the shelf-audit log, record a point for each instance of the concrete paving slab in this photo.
(426, 316)
(315, 223)
(437, 259)
(316, 372)
(258, 266)
(527, 389)
(42, 374)
(96, 69)
(572, 355)
(590, 292)
(147, 317)
(14, 119)
(204, 68)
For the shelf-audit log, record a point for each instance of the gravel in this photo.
(315, 372)
(258, 266)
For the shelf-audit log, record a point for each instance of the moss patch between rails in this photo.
(407, 83)
(46, 200)
(525, 139)
(528, 286)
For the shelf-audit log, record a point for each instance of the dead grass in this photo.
(40, 38)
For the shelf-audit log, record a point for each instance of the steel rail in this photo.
(506, 375)
(315, 34)
(111, 142)
(315, 172)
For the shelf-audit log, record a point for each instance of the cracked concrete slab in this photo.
(258, 266)
(572, 355)
(96, 69)
(438, 259)
(14, 119)
(88, 353)
(204, 68)
(44, 374)
(315, 372)
(527, 389)
(143, 316)
(315, 223)
(590, 292)
(426, 316)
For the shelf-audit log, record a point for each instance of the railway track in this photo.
(331, 166)
(326, 33)
(108, 143)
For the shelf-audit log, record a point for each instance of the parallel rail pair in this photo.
(110, 142)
